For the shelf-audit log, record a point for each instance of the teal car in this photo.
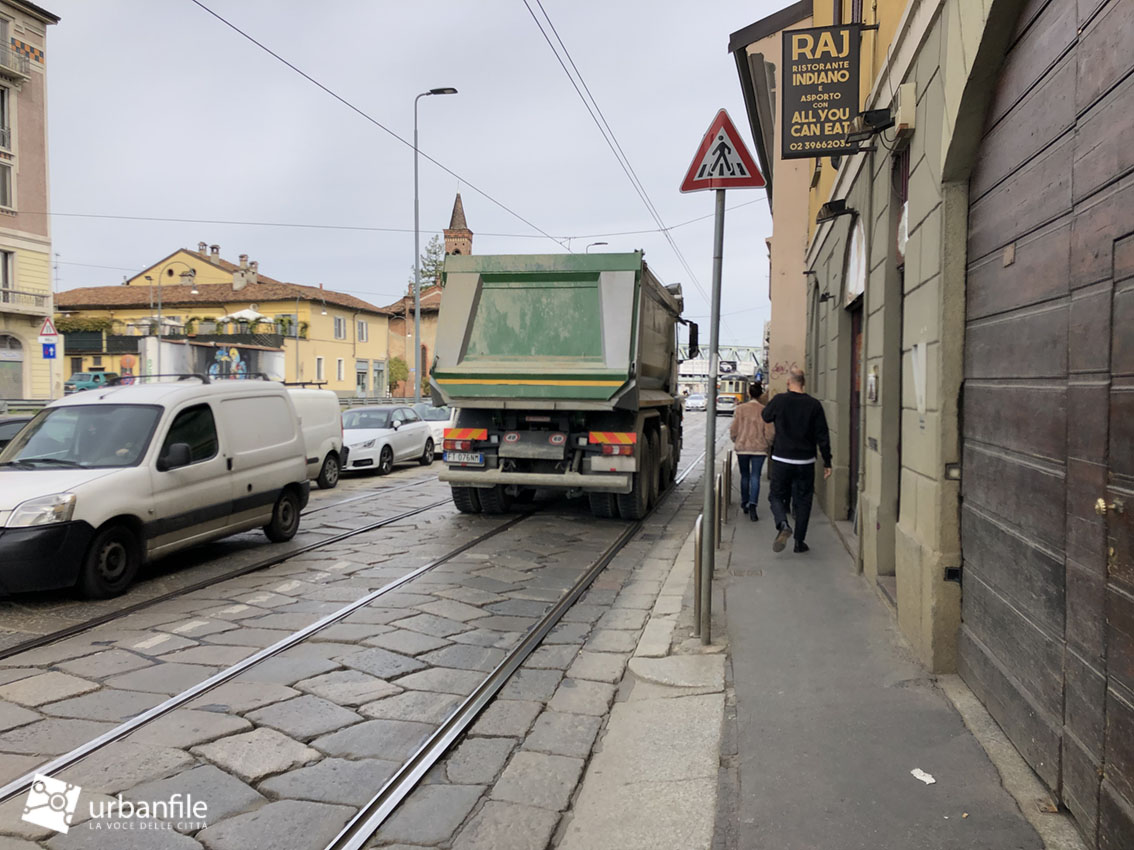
(87, 381)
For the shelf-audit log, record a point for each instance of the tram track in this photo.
(261, 564)
(371, 816)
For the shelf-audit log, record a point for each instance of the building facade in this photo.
(25, 228)
(968, 279)
(329, 338)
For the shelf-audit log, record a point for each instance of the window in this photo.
(411, 416)
(6, 186)
(6, 276)
(340, 327)
(195, 427)
(363, 332)
(287, 324)
(5, 120)
(340, 369)
(320, 374)
(856, 11)
(399, 416)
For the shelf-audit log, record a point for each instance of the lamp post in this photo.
(417, 251)
(588, 249)
(188, 278)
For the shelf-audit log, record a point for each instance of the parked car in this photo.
(87, 381)
(439, 418)
(10, 426)
(696, 401)
(98, 483)
(379, 437)
(726, 404)
(322, 425)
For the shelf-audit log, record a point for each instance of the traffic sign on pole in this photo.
(722, 161)
(47, 332)
(49, 351)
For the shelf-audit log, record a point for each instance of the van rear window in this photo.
(257, 423)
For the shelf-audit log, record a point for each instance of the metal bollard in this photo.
(697, 576)
(720, 508)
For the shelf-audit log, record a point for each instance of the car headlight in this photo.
(45, 510)
(369, 444)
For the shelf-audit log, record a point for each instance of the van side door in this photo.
(194, 501)
(265, 453)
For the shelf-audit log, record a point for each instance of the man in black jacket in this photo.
(801, 426)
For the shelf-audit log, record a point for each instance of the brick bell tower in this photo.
(458, 237)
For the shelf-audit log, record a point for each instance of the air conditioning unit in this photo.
(905, 110)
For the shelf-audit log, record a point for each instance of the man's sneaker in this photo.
(800, 546)
(752, 513)
(781, 538)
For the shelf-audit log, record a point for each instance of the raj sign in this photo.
(820, 91)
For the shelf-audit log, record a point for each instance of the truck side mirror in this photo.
(694, 347)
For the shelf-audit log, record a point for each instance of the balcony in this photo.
(22, 301)
(14, 65)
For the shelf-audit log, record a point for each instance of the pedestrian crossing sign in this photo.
(722, 161)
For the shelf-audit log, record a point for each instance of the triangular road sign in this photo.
(48, 328)
(722, 161)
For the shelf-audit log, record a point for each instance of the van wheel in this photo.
(285, 518)
(603, 505)
(427, 456)
(329, 474)
(493, 500)
(385, 461)
(466, 500)
(111, 563)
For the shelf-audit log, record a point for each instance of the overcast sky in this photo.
(159, 110)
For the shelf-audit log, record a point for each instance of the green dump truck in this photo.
(564, 369)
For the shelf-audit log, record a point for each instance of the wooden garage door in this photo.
(1047, 639)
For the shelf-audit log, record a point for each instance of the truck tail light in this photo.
(458, 445)
(608, 449)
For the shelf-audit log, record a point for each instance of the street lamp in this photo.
(588, 250)
(417, 251)
(188, 278)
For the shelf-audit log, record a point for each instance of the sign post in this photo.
(49, 338)
(721, 162)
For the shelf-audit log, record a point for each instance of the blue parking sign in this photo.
(49, 351)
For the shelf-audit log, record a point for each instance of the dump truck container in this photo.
(564, 369)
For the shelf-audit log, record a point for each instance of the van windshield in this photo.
(89, 435)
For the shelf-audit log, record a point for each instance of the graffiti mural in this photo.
(126, 367)
(228, 362)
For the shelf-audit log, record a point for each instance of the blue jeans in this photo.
(750, 468)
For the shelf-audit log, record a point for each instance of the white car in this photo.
(378, 437)
(439, 419)
(696, 401)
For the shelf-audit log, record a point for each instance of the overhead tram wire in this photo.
(612, 142)
(357, 227)
(374, 121)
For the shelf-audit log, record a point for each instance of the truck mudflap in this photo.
(606, 483)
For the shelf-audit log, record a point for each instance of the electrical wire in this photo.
(373, 120)
(604, 128)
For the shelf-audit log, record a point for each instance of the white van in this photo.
(322, 424)
(101, 481)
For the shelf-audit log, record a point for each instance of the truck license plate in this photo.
(465, 458)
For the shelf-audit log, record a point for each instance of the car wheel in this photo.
(385, 460)
(329, 474)
(285, 518)
(427, 456)
(111, 563)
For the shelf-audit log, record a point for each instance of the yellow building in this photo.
(25, 237)
(327, 337)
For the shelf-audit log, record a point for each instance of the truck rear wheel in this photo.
(603, 505)
(636, 504)
(653, 473)
(466, 500)
(494, 500)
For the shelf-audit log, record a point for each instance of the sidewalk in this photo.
(799, 727)
(832, 714)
